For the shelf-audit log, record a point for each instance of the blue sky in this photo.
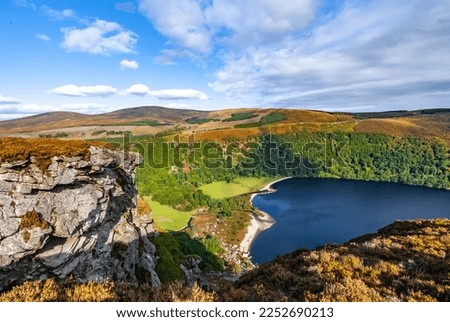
(97, 56)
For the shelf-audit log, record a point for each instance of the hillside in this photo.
(231, 123)
(62, 120)
(405, 261)
(190, 231)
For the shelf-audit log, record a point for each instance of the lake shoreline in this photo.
(259, 223)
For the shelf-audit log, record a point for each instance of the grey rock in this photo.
(92, 231)
(24, 188)
(9, 176)
(6, 186)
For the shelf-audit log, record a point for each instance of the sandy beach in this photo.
(258, 223)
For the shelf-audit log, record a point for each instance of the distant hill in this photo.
(221, 124)
(60, 120)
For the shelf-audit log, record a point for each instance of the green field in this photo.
(167, 218)
(222, 189)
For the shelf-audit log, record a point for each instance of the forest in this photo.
(181, 176)
(172, 172)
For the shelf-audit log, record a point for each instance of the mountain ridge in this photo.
(144, 120)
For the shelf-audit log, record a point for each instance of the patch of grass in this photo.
(170, 258)
(198, 120)
(206, 248)
(98, 132)
(117, 132)
(174, 248)
(56, 135)
(239, 186)
(167, 218)
(136, 123)
(240, 117)
(273, 117)
(143, 123)
(234, 227)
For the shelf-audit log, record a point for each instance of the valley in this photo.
(198, 169)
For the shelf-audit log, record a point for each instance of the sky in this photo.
(98, 56)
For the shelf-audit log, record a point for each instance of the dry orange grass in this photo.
(301, 116)
(229, 229)
(396, 127)
(223, 135)
(143, 208)
(422, 127)
(51, 291)
(42, 150)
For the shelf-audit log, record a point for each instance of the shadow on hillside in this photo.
(179, 252)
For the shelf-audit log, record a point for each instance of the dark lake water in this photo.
(312, 212)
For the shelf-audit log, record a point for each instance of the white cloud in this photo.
(86, 108)
(23, 110)
(58, 14)
(137, 89)
(8, 100)
(43, 37)
(83, 91)
(380, 54)
(178, 94)
(130, 64)
(25, 4)
(179, 106)
(5, 117)
(199, 25)
(165, 94)
(259, 21)
(100, 37)
(302, 54)
(169, 56)
(182, 21)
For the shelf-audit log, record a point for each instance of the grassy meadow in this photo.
(239, 186)
(167, 218)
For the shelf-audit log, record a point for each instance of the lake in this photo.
(313, 212)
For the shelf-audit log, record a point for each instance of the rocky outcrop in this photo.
(77, 217)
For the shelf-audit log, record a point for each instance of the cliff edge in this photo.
(69, 208)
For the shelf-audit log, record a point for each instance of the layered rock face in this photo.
(77, 217)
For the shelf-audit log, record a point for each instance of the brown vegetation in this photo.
(423, 124)
(42, 150)
(229, 230)
(422, 127)
(406, 261)
(69, 291)
(31, 220)
(143, 208)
